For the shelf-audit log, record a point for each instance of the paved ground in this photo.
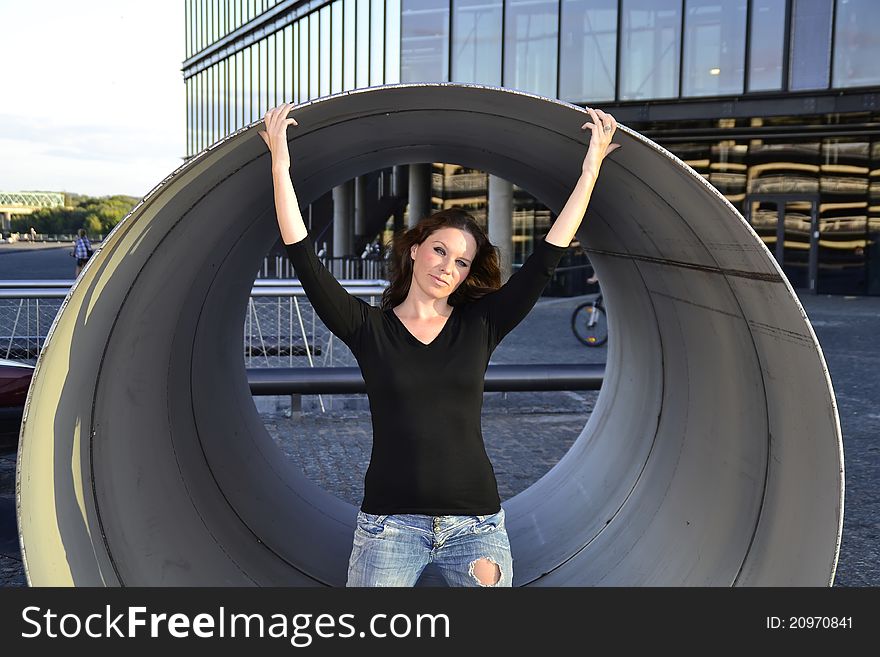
(527, 433)
(38, 260)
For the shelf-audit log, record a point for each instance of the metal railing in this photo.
(15, 236)
(280, 324)
(350, 267)
(287, 349)
(499, 378)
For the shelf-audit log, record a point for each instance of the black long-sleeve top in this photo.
(428, 455)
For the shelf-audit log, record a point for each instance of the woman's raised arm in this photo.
(341, 312)
(507, 306)
(603, 128)
(290, 221)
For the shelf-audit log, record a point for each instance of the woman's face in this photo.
(443, 261)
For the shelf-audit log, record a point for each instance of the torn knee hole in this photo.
(485, 571)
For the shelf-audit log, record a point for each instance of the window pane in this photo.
(303, 59)
(280, 96)
(195, 113)
(240, 91)
(203, 110)
(297, 63)
(363, 43)
(348, 48)
(588, 59)
(194, 30)
(811, 44)
(714, 47)
(650, 48)
(189, 113)
(324, 63)
(197, 26)
(336, 44)
(269, 73)
(221, 99)
(424, 42)
(392, 41)
(206, 104)
(232, 92)
(281, 67)
(187, 21)
(251, 83)
(856, 43)
(212, 105)
(476, 41)
(247, 84)
(377, 42)
(260, 80)
(767, 40)
(844, 185)
(288, 64)
(229, 65)
(531, 39)
(314, 55)
(218, 101)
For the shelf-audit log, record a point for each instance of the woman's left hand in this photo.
(603, 127)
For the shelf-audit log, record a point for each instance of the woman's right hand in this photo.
(275, 134)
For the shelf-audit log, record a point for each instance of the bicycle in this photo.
(589, 322)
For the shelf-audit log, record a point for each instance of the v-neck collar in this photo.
(413, 338)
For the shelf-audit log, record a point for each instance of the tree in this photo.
(93, 224)
(96, 215)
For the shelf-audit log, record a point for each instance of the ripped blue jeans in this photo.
(393, 550)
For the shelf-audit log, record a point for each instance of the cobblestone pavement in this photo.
(527, 433)
(522, 442)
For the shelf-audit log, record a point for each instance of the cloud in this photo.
(79, 167)
(90, 141)
(100, 105)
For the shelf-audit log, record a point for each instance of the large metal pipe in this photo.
(713, 455)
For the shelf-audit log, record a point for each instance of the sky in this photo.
(91, 95)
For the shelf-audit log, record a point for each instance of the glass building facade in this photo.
(775, 102)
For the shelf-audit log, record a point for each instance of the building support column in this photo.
(400, 189)
(358, 206)
(501, 222)
(342, 220)
(419, 192)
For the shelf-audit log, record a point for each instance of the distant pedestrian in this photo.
(82, 250)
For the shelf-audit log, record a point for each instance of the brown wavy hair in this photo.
(483, 277)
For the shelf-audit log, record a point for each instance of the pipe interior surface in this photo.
(713, 456)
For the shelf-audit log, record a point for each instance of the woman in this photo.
(430, 493)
